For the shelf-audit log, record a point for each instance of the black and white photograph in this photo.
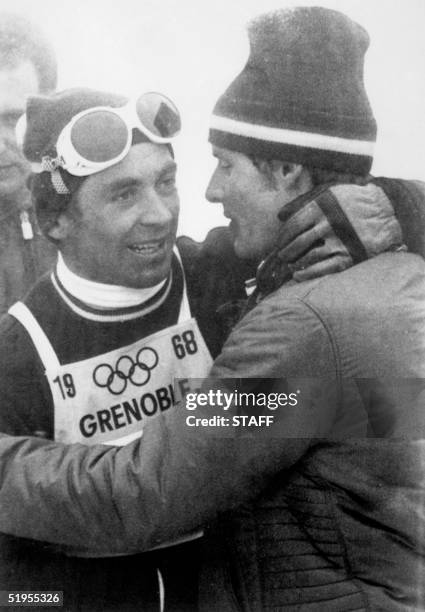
(212, 305)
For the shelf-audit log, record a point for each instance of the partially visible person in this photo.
(27, 67)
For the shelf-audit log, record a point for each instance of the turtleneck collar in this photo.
(100, 295)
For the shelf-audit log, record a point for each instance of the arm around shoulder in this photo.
(174, 478)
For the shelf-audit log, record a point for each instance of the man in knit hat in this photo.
(340, 525)
(27, 67)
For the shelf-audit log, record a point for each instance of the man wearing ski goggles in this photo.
(99, 137)
(111, 327)
(98, 142)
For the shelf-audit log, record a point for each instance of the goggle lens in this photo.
(158, 115)
(99, 136)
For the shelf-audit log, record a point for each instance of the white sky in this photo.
(192, 49)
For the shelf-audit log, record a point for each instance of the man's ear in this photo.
(292, 177)
(60, 229)
(288, 174)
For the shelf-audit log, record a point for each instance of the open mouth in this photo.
(148, 248)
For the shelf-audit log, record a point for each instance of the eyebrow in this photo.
(126, 182)
(123, 183)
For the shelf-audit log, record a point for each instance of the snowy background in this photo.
(192, 49)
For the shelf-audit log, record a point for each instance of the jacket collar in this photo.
(327, 230)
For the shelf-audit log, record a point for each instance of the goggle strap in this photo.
(50, 164)
(58, 184)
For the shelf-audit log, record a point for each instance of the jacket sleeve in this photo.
(175, 477)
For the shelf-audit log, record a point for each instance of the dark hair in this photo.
(319, 176)
(49, 204)
(322, 176)
(21, 40)
(266, 167)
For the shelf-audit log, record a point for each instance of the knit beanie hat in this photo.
(46, 116)
(301, 97)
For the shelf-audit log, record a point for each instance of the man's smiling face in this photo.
(121, 226)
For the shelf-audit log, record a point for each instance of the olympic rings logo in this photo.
(138, 372)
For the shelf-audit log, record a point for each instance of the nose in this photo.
(156, 211)
(214, 192)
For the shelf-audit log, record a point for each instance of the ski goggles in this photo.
(100, 137)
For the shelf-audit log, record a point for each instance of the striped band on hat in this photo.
(301, 96)
(292, 137)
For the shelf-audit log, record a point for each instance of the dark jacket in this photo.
(340, 524)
